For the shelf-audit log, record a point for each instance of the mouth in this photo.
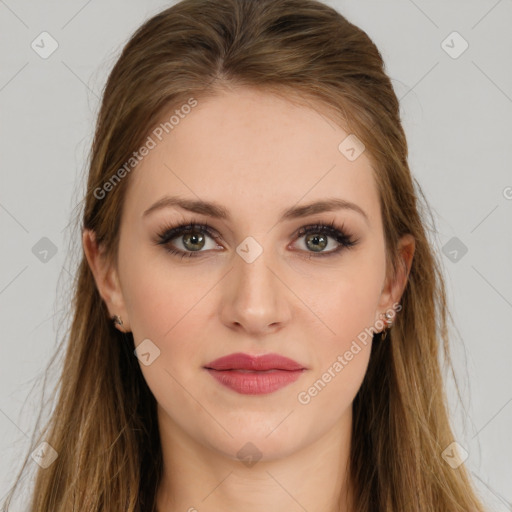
(255, 375)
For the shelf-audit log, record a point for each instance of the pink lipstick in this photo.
(254, 375)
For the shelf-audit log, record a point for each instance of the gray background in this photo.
(456, 113)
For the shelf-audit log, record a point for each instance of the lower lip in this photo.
(255, 383)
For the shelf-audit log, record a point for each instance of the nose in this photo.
(256, 299)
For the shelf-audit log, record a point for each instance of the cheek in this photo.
(347, 307)
(175, 323)
(166, 305)
(345, 300)
(160, 296)
(330, 392)
(172, 307)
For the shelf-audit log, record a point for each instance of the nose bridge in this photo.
(254, 281)
(258, 297)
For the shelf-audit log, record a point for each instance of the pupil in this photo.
(194, 239)
(319, 242)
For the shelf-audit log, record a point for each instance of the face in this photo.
(253, 281)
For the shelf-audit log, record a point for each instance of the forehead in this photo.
(252, 151)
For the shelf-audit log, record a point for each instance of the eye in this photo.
(193, 238)
(316, 239)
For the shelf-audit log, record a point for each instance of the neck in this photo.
(198, 478)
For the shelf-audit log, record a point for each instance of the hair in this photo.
(104, 423)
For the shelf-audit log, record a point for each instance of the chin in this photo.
(256, 442)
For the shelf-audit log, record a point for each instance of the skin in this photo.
(255, 154)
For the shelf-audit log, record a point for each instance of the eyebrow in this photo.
(217, 211)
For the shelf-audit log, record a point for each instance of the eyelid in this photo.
(170, 232)
(339, 233)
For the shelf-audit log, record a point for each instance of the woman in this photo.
(258, 311)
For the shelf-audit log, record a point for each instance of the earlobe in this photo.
(105, 276)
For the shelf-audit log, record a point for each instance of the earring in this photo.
(117, 320)
(389, 324)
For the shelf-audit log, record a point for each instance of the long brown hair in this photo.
(104, 424)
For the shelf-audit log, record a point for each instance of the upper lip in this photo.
(240, 361)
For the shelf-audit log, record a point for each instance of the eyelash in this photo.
(339, 234)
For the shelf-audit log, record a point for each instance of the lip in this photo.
(240, 361)
(255, 375)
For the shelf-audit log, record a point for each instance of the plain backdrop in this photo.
(450, 63)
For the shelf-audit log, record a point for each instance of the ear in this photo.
(106, 278)
(394, 286)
